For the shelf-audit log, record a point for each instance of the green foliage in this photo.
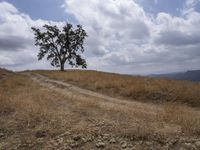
(61, 46)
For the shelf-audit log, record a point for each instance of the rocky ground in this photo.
(69, 141)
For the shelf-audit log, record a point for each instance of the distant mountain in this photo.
(193, 75)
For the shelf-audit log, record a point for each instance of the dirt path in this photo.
(64, 87)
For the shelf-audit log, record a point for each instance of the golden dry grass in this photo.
(132, 87)
(32, 116)
(187, 118)
(26, 109)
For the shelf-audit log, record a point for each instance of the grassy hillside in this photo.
(4, 73)
(27, 112)
(34, 115)
(132, 87)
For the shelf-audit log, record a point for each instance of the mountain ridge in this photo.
(190, 75)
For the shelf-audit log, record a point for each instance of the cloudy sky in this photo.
(125, 36)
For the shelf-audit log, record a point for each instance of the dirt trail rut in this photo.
(63, 87)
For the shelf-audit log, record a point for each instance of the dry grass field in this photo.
(43, 115)
(138, 88)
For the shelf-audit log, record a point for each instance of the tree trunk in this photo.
(62, 67)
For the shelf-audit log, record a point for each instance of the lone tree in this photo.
(60, 46)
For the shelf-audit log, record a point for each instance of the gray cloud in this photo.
(177, 38)
(13, 43)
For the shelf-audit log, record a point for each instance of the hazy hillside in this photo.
(189, 75)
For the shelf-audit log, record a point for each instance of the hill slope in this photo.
(189, 75)
(144, 89)
(37, 112)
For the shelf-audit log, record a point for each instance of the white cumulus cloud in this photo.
(17, 50)
(123, 35)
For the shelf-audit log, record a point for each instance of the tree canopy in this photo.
(61, 46)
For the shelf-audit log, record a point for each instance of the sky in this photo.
(125, 36)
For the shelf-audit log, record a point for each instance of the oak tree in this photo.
(61, 46)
